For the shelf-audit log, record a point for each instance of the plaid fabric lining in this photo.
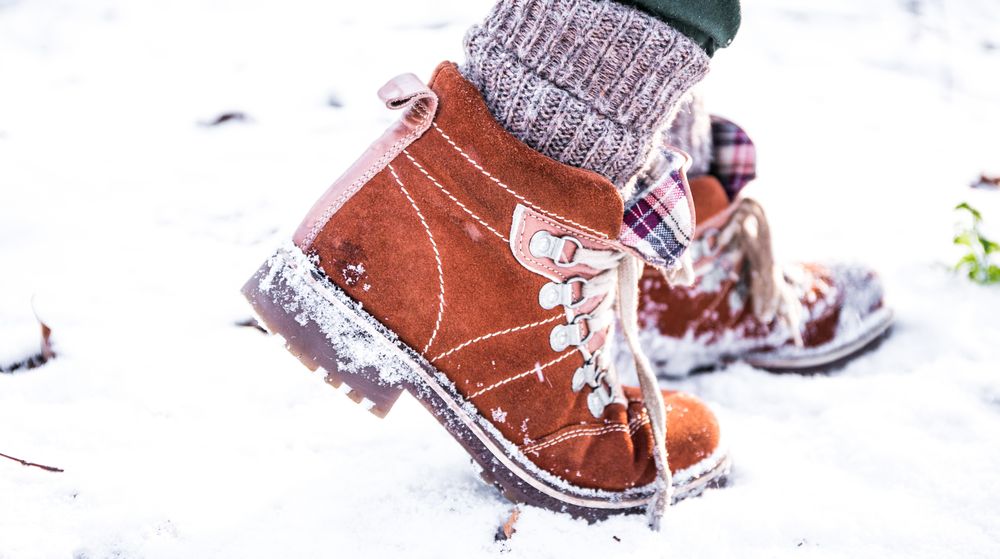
(659, 221)
(734, 157)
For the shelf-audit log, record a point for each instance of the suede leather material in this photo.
(694, 430)
(491, 333)
(710, 317)
(710, 198)
(578, 195)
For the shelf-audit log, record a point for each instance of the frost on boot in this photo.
(455, 263)
(742, 305)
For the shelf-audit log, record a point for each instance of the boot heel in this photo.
(328, 331)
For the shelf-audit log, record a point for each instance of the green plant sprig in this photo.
(976, 263)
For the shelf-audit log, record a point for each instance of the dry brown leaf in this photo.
(507, 531)
(987, 181)
(45, 353)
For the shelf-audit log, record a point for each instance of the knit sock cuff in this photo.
(691, 131)
(586, 82)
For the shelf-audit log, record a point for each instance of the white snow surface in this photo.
(182, 435)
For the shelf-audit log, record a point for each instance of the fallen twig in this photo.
(233, 116)
(32, 464)
(251, 323)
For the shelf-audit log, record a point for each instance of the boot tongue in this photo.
(710, 198)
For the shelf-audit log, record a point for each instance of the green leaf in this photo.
(969, 260)
(989, 247)
(976, 216)
(964, 239)
(976, 263)
(993, 274)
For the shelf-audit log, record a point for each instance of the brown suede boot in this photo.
(803, 318)
(457, 264)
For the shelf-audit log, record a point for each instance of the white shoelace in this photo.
(747, 233)
(620, 274)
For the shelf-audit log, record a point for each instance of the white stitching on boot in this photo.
(507, 188)
(383, 160)
(437, 258)
(495, 334)
(585, 432)
(453, 199)
(633, 426)
(529, 372)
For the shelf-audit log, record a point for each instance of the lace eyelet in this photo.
(587, 374)
(546, 245)
(554, 294)
(566, 335)
(600, 399)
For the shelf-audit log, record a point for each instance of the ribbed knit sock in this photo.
(691, 131)
(586, 82)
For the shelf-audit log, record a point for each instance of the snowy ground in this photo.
(182, 435)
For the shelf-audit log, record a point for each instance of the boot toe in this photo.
(860, 287)
(845, 319)
(692, 430)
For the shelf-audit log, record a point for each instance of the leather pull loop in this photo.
(404, 90)
(407, 92)
(420, 104)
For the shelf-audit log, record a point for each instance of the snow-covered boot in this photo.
(457, 264)
(742, 306)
